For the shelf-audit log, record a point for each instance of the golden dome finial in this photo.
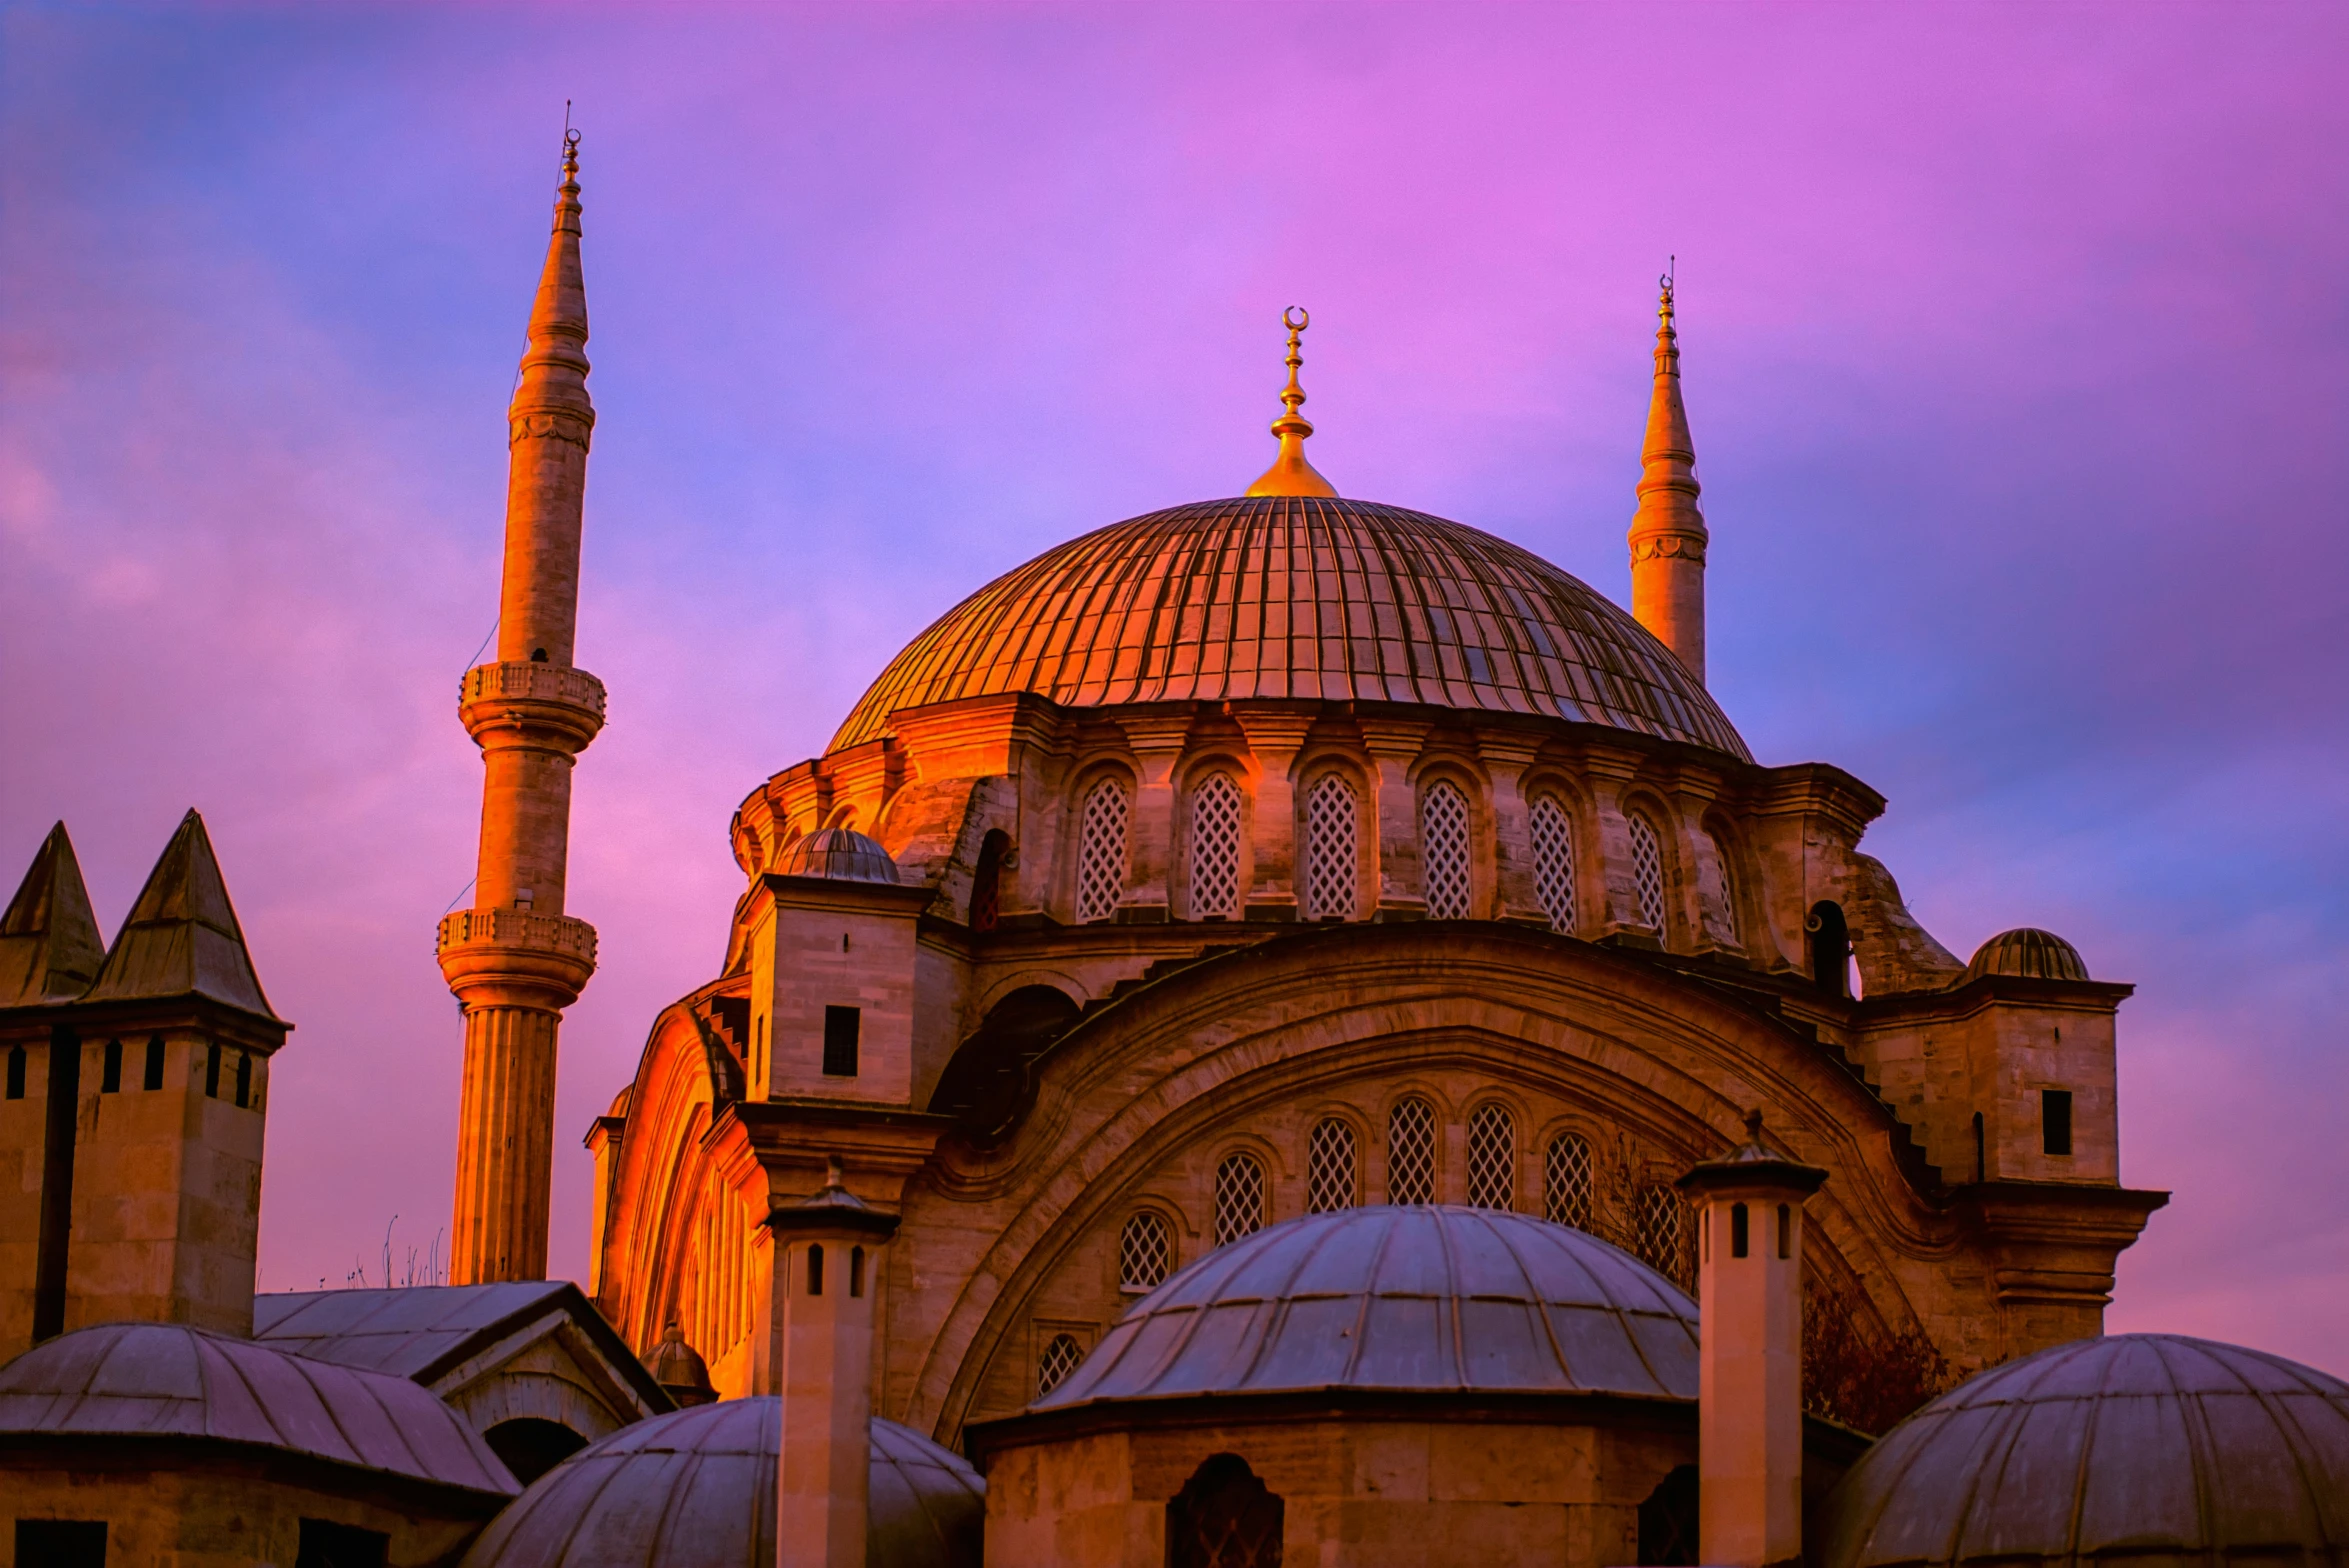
(1290, 474)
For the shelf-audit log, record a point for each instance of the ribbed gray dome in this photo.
(1420, 1298)
(697, 1490)
(2028, 953)
(841, 854)
(2152, 1449)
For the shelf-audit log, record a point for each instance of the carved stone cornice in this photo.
(514, 958)
(573, 425)
(1681, 547)
(550, 705)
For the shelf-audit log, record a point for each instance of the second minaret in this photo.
(515, 960)
(1668, 531)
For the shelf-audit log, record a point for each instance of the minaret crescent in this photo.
(515, 960)
(1668, 535)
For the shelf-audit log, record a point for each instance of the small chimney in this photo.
(827, 1265)
(1749, 1206)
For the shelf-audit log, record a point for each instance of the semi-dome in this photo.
(2153, 1449)
(1299, 596)
(839, 854)
(697, 1490)
(2028, 953)
(1401, 1299)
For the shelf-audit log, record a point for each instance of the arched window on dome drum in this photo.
(1145, 1250)
(1101, 852)
(1658, 1235)
(1060, 1357)
(1553, 861)
(1567, 1186)
(1443, 847)
(1239, 1198)
(1215, 848)
(1830, 943)
(1492, 1159)
(1331, 854)
(1647, 872)
(1329, 1167)
(1411, 1152)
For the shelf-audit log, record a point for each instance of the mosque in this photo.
(1286, 1029)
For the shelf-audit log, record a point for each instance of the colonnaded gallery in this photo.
(1286, 1029)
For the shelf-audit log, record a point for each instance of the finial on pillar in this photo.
(1290, 473)
(1668, 534)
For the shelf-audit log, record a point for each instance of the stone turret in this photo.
(136, 1086)
(515, 960)
(1668, 531)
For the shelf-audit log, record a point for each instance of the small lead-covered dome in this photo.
(840, 854)
(2150, 1449)
(2028, 953)
(680, 1370)
(697, 1490)
(1401, 1298)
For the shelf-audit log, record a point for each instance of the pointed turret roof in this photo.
(182, 937)
(554, 366)
(50, 949)
(1668, 485)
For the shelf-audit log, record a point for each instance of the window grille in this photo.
(1443, 842)
(1411, 1153)
(1659, 1232)
(1060, 1358)
(1143, 1252)
(1101, 852)
(1215, 848)
(1647, 873)
(1553, 861)
(1492, 1159)
(1330, 850)
(1239, 1198)
(1566, 1181)
(1329, 1167)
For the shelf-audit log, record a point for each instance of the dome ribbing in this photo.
(1299, 597)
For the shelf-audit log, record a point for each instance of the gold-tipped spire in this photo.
(1290, 474)
(1668, 534)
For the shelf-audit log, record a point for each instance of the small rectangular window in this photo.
(61, 1543)
(212, 1071)
(325, 1544)
(840, 1031)
(110, 1081)
(244, 1079)
(2055, 1120)
(815, 1271)
(16, 1072)
(1785, 1231)
(154, 1061)
(1738, 1237)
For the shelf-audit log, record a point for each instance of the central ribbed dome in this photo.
(1299, 596)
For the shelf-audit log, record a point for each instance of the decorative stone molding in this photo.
(511, 957)
(553, 704)
(552, 424)
(1682, 547)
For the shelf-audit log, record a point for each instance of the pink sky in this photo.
(2018, 362)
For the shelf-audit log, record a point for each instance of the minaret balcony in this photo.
(544, 959)
(550, 704)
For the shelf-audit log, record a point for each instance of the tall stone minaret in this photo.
(515, 960)
(1668, 532)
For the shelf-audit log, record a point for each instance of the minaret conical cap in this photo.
(1290, 473)
(554, 366)
(1668, 487)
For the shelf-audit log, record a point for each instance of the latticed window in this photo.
(1718, 884)
(1553, 861)
(1411, 1153)
(1060, 1358)
(1659, 1232)
(1329, 1168)
(1443, 841)
(1330, 836)
(1144, 1250)
(1101, 852)
(1567, 1185)
(1239, 1198)
(1647, 873)
(1492, 1159)
(1215, 847)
